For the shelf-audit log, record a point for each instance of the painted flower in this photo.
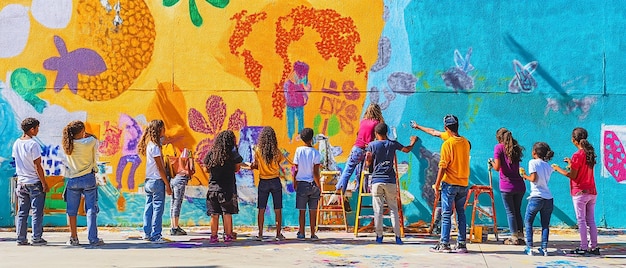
(216, 113)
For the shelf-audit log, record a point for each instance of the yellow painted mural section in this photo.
(223, 67)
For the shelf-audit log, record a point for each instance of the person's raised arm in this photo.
(431, 131)
(408, 148)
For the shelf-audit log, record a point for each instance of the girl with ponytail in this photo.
(583, 190)
(540, 199)
(506, 158)
(80, 161)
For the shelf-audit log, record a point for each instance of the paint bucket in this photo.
(480, 234)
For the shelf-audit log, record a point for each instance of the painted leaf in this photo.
(216, 110)
(197, 121)
(614, 156)
(218, 3)
(196, 19)
(169, 3)
(237, 120)
(202, 149)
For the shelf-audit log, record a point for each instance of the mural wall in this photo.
(208, 66)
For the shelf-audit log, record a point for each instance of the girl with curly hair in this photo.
(157, 183)
(222, 162)
(80, 160)
(267, 159)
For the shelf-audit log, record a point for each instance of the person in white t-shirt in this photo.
(540, 199)
(307, 164)
(31, 185)
(157, 183)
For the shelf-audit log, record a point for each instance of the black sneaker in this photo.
(460, 248)
(595, 251)
(177, 231)
(577, 251)
(346, 205)
(39, 242)
(23, 243)
(441, 248)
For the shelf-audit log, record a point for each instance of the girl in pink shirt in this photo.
(583, 190)
(373, 116)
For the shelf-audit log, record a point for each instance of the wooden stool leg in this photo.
(433, 217)
(493, 213)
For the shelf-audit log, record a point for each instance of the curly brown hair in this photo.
(71, 130)
(153, 134)
(221, 150)
(268, 145)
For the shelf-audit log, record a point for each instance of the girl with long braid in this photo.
(80, 161)
(506, 158)
(157, 183)
(222, 162)
(583, 190)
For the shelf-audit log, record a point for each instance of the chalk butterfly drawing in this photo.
(70, 64)
(614, 156)
(523, 81)
(458, 77)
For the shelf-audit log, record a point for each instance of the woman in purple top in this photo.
(506, 158)
(373, 115)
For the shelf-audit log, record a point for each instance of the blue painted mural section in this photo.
(539, 69)
(8, 133)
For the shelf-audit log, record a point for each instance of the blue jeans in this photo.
(29, 196)
(354, 162)
(292, 113)
(544, 207)
(453, 195)
(153, 213)
(83, 185)
(513, 206)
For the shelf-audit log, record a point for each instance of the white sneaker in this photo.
(160, 240)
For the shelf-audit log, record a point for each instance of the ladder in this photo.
(330, 213)
(365, 192)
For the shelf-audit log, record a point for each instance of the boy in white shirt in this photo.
(307, 163)
(31, 185)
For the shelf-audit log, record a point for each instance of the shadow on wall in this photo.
(516, 47)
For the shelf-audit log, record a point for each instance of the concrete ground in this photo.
(124, 248)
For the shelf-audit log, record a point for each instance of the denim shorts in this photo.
(80, 186)
(273, 186)
(307, 193)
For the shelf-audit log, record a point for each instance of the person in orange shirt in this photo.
(267, 159)
(453, 176)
